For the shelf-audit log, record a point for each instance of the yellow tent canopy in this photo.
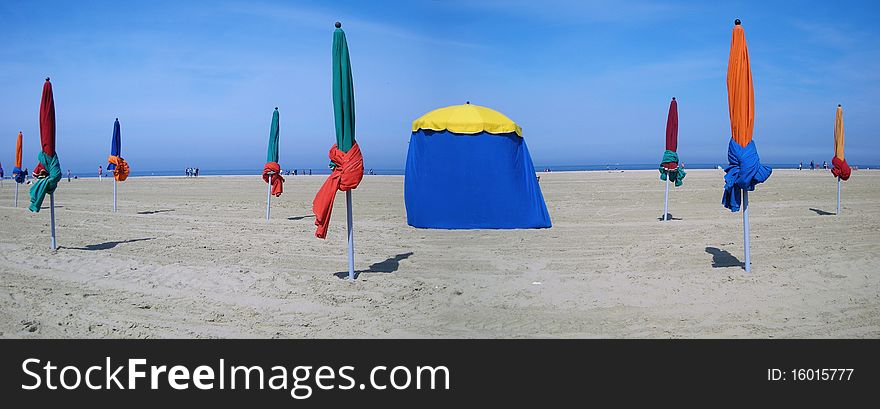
(467, 119)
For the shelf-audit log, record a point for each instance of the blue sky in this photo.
(194, 83)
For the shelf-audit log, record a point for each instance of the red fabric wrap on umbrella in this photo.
(277, 180)
(840, 168)
(40, 171)
(346, 175)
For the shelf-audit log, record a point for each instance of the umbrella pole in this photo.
(838, 196)
(748, 262)
(666, 200)
(16, 193)
(268, 196)
(114, 195)
(350, 237)
(52, 218)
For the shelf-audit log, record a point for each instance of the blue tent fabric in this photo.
(474, 181)
(115, 144)
(744, 172)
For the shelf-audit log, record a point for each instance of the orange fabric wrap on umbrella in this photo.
(838, 134)
(740, 91)
(346, 175)
(121, 171)
(277, 180)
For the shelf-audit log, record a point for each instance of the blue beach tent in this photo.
(468, 167)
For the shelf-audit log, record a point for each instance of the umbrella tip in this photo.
(47, 78)
(737, 22)
(467, 102)
(838, 105)
(338, 25)
(673, 98)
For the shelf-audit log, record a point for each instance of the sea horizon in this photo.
(399, 172)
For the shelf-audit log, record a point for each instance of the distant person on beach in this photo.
(197, 172)
(824, 164)
(100, 172)
(68, 175)
(812, 165)
(310, 172)
(801, 166)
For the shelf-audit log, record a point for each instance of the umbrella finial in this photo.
(838, 105)
(467, 102)
(276, 108)
(737, 22)
(338, 25)
(673, 98)
(47, 78)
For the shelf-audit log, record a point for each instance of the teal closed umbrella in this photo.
(346, 160)
(272, 170)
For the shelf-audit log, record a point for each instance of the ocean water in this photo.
(379, 171)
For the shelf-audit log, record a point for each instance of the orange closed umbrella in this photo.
(744, 170)
(17, 173)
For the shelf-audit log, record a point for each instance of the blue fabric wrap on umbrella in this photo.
(43, 186)
(744, 172)
(18, 175)
(480, 181)
(115, 144)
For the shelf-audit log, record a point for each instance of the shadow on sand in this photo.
(669, 217)
(388, 265)
(301, 217)
(722, 258)
(155, 211)
(821, 212)
(107, 245)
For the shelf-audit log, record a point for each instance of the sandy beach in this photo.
(195, 258)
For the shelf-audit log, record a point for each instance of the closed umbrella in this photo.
(17, 173)
(272, 170)
(744, 170)
(346, 161)
(669, 169)
(116, 164)
(48, 171)
(839, 167)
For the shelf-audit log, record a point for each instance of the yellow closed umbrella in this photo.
(839, 167)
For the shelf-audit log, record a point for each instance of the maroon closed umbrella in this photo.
(48, 171)
(670, 171)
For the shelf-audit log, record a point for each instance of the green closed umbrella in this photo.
(274, 130)
(272, 170)
(343, 91)
(343, 113)
(346, 159)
